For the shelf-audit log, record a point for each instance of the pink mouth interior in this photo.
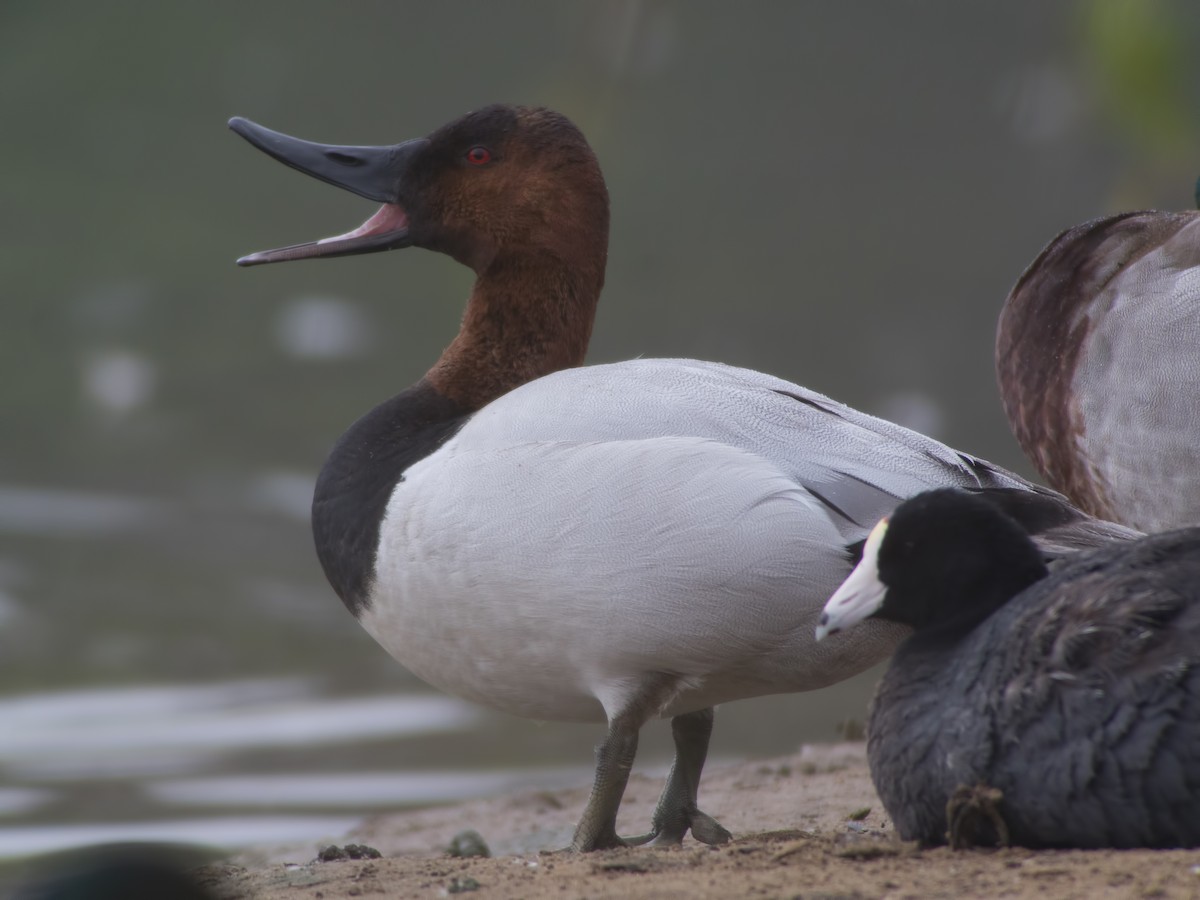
(390, 217)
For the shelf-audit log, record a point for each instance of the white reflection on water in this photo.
(288, 493)
(14, 801)
(361, 789)
(118, 381)
(53, 512)
(139, 731)
(322, 328)
(916, 410)
(217, 832)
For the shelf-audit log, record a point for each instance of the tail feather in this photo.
(1057, 527)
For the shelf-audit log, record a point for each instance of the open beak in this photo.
(372, 172)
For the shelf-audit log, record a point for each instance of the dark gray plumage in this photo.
(1075, 694)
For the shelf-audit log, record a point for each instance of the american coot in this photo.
(1098, 369)
(1049, 710)
(607, 543)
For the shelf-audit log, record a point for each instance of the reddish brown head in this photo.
(498, 180)
(507, 180)
(513, 192)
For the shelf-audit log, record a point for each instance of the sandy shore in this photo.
(800, 832)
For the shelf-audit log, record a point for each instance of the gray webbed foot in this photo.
(703, 827)
(677, 812)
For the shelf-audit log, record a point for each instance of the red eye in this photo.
(479, 156)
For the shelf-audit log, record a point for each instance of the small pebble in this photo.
(468, 843)
(332, 853)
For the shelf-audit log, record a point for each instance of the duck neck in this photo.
(529, 315)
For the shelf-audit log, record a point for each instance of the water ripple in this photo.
(228, 832)
(360, 789)
(139, 731)
(55, 512)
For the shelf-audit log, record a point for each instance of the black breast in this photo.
(358, 478)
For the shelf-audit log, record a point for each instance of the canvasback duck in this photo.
(1099, 373)
(606, 543)
(1055, 709)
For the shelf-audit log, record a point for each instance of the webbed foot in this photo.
(703, 827)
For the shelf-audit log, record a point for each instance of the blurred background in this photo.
(841, 194)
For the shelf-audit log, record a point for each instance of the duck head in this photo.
(516, 194)
(497, 182)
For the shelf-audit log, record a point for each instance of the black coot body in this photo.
(1056, 709)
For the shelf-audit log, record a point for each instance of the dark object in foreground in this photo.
(1070, 699)
(131, 871)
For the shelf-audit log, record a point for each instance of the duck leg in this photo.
(597, 828)
(677, 812)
